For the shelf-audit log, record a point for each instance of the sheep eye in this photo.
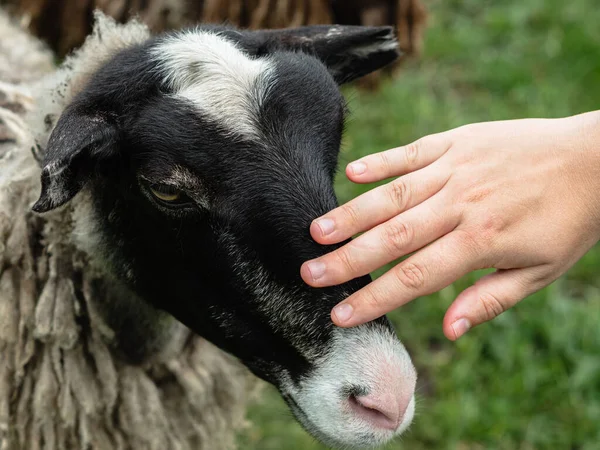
(168, 194)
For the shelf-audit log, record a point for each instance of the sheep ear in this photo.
(349, 52)
(77, 141)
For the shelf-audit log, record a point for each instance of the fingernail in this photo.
(316, 269)
(460, 327)
(343, 312)
(358, 168)
(326, 226)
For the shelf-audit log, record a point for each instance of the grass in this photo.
(531, 378)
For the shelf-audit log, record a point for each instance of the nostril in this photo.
(382, 413)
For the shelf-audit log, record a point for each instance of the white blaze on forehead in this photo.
(220, 79)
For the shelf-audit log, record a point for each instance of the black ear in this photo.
(349, 52)
(79, 139)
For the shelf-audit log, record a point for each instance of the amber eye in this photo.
(165, 193)
(168, 194)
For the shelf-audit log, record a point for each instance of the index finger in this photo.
(399, 161)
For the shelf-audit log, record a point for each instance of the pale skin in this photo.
(518, 196)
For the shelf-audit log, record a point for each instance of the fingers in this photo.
(399, 161)
(491, 296)
(387, 242)
(429, 270)
(378, 205)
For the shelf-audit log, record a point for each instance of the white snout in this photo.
(362, 393)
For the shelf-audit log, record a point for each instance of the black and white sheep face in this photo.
(204, 156)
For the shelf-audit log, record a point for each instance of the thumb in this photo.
(489, 297)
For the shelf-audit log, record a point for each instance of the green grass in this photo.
(531, 378)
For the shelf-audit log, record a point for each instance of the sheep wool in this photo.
(63, 381)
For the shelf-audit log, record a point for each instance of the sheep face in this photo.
(206, 154)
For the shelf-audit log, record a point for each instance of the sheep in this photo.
(179, 175)
(63, 384)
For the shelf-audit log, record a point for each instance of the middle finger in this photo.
(378, 205)
(388, 241)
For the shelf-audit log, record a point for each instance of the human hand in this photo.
(520, 196)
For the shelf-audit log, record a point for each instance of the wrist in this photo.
(588, 141)
(587, 129)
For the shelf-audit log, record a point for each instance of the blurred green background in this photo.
(531, 378)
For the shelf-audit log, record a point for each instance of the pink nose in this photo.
(381, 411)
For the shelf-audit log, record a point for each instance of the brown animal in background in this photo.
(64, 24)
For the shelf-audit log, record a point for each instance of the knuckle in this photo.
(397, 236)
(468, 241)
(476, 195)
(412, 152)
(490, 228)
(494, 222)
(479, 244)
(347, 261)
(350, 213)
(491, 305)
(386, 163)
(399, 193)
(410, 276)
(370, 300)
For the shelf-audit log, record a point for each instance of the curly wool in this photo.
(63, 383)
(22, 57)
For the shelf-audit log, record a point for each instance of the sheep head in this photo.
(206, 153)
